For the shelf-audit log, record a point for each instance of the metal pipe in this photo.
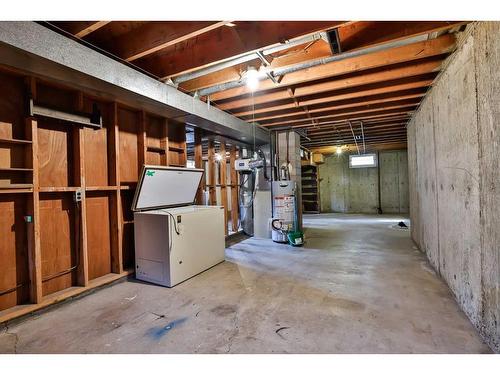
(312, 63)
(245, 58)
(363, 135)
(354, 137)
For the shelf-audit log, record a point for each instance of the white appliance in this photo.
(174, 239)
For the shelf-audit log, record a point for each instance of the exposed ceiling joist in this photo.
(411, 52)
(80, 29)
(227, 42)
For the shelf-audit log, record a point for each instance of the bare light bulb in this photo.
(218, 157)
(252, 78)
(338, 150)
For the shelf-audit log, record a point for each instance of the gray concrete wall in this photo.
(454, 153)
(355, 190)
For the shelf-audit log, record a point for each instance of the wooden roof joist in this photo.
(344, 114)
(415, 51)
(223, 43)
(354, 117)
(345, 140)
(368, 134)
(312, 132)
(80, 29)
(347, 104)
(377, 78)
(353, 35)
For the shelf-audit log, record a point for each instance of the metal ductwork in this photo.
(34, 49)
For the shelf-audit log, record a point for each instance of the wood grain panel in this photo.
(11, 107)
(57, 240)
(95, 147)
(13, 251)
(98, 234)
(128, 122)
(54, 153)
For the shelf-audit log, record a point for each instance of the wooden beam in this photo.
(234, 190)
(296, 55)
(415, 51)
(164, 143)
(382, 77)
(371, 100)
(212, 197)
(198, 163)
(33, 228)
(115, 208)
(363, 117)
(227, 42)
(411, 103)
(155, 36)
(80, 29)
(354, 35)
(81, 219)
(141, 142)
(362, 34)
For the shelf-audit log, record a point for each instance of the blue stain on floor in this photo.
(158, 332)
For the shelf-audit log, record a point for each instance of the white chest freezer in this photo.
(174, 239)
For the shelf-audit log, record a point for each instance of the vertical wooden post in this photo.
(115, 204)
(212, 197)
(234, 190)
(198, 163)
(223, 182)
(79, 180)
(142, 141)
(34, 247)
(164, 144)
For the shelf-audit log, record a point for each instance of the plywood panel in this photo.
(57, 240)
(98, 234)
(95, 147)
(54, 153)
(13, 251)
(128, 122)
(11, 107)
(153, 158)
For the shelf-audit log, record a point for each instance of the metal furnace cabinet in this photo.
(174, 239)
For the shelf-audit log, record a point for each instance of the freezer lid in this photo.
(162, 187)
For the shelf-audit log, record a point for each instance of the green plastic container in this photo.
(296, 238)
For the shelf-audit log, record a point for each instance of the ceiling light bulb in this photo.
(338, 150)
(218, 157)
(252, 78)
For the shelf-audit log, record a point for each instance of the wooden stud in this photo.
(115, 203)
(164, 144)
(212, 197)
(79, 180)
(223, 182)
(234, 190)
(142, 141)
(34, 247)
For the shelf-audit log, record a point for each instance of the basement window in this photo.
(363, 161)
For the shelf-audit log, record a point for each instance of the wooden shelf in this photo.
(15, 141)
(16, 170)
(156, 149)
(176, 149)
(177, 165)
(101, 188)
(58, 189)
(310, 189)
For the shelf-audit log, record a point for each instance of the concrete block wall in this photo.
(454, 176)
(356, 190)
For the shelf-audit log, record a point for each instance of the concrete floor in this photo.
(358, 286)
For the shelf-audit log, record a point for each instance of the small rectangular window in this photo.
(363, 161)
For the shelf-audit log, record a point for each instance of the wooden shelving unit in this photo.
(53, 247)
(310, 189)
